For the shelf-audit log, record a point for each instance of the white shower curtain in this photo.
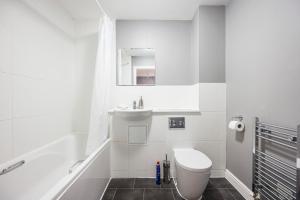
(99, 121)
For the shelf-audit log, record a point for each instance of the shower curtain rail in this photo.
(274, 162)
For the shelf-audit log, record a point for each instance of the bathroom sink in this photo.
(133, 114)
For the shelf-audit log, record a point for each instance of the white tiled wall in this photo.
(36, 60)
(6, 140)
(205, 132)
(83, 77)
(164, 97)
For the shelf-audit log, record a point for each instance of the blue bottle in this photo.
(157, 173)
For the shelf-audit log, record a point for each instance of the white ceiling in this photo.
(81, 9)
(137, 9)
(156, 9)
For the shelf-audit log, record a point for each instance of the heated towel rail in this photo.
(274, 160)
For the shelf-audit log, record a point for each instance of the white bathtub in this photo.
(45, 174)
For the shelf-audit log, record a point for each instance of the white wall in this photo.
(205, 131)
(36, 61)
(163, 97)
(85, 27)
(54, 13)
(83, 77)
(46, 75)
(60, 16)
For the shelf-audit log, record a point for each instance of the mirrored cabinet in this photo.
(136, 66)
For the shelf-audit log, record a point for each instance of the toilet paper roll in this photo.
(232, 124)
(240, 126)
(236, 125)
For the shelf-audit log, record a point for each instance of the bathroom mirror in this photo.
(136, 66)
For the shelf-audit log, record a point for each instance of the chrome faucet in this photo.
(134, 105)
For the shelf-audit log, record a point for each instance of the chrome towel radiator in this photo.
(274, 160)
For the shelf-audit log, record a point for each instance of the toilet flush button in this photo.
(176, 122)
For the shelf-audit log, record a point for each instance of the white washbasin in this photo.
(133, 114)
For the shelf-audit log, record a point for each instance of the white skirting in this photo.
(239, 185)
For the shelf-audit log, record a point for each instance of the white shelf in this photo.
(168, 111)
(172, 111)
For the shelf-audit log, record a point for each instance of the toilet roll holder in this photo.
(238, 118)
(237, 123)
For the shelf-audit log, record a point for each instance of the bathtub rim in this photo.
(57, 191)
(31, 155)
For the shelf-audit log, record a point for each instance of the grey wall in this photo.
(211, 44)
(262, 72)
(195, 46)
(171, 41)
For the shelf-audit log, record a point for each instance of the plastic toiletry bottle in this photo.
(141, 103)
(157, 173)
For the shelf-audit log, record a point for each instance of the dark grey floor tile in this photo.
(121, 183)
(167, 185)
(217, 194)
(131, 189)
(176, 195)
(145, 183)
(158, 194)
(109, 194)
(129, 194)
(216, 183)
(236, 195)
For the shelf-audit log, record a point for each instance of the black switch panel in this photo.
(176, 122)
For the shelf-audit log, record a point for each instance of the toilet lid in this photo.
(192, 160)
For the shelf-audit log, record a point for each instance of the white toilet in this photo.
(192, 172)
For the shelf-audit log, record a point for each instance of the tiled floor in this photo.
(146, 189)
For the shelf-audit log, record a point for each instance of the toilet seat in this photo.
(192, 160)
